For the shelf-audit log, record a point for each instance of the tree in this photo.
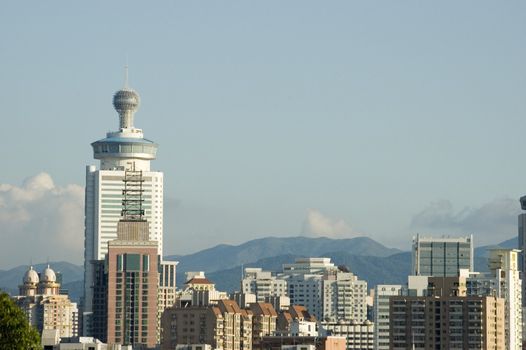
(15, 331)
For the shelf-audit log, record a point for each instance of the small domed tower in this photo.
(29, 283)
(48, 282)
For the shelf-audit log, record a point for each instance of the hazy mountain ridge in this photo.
(366, 258)
(223, 256)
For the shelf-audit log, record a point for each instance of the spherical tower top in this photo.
(48, 275)
(31, 276)
(126, 101)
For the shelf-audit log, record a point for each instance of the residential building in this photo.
(446, 318)
(124, 149)
(199, 291)
(441, 257)
(223, 326)
(298, 315)
(44, 307)
(382, 293)
(243, 299)
(504, 265)
(302, 343)
(263, 284)
(167, 292)
(264, 320)
(359, 336)
(329, 292)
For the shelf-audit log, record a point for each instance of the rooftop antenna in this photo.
(126, 74)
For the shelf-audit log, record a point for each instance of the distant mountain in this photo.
(12, 278)
(224, 256)
(375, 270)
(510, 243)
(366, 258)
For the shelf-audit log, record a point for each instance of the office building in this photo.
(121, 150)
(441, 257)
(132, 262)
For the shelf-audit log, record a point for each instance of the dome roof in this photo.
(126, 100)
(48, 275)
(31, 276)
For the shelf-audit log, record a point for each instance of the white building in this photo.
(125, 149)
(503, 264)
(328, 292)
(382, 292)
(263, 284)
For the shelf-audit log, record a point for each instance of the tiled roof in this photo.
(197, 280)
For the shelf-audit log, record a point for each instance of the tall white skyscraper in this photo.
(125, 149)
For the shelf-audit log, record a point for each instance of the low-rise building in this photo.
(359, 336)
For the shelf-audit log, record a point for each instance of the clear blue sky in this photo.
(388, 117)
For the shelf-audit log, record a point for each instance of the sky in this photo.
(273, 118)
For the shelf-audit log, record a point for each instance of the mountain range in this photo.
(223, 264)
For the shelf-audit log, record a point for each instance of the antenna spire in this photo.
(126, 75)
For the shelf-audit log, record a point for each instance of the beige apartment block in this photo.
(447, 322)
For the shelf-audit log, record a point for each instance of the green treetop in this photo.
(15, 331)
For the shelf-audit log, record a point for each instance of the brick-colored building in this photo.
(132, 287)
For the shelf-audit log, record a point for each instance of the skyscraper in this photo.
(121, 150)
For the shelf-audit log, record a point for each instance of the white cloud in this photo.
(490, 222)
(318, 224)
(40, 220)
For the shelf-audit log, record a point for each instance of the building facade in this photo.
(329, 292)
(447, 318)
(125, 149)
(442, 257)
(223, 326)
(359, 336)
(263, 284)
(44, 307)
(382, 293)
(132, 265)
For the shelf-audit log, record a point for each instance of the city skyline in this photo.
(382, 130)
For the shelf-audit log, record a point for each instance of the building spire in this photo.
(126, 75)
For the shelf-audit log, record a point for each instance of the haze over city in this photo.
(337, 119)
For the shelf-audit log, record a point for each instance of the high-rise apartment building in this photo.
(121, 150)
(382, 293)
(503, 264)
(441, 257)
(447, 318)
(329, 292)
(263, 284)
